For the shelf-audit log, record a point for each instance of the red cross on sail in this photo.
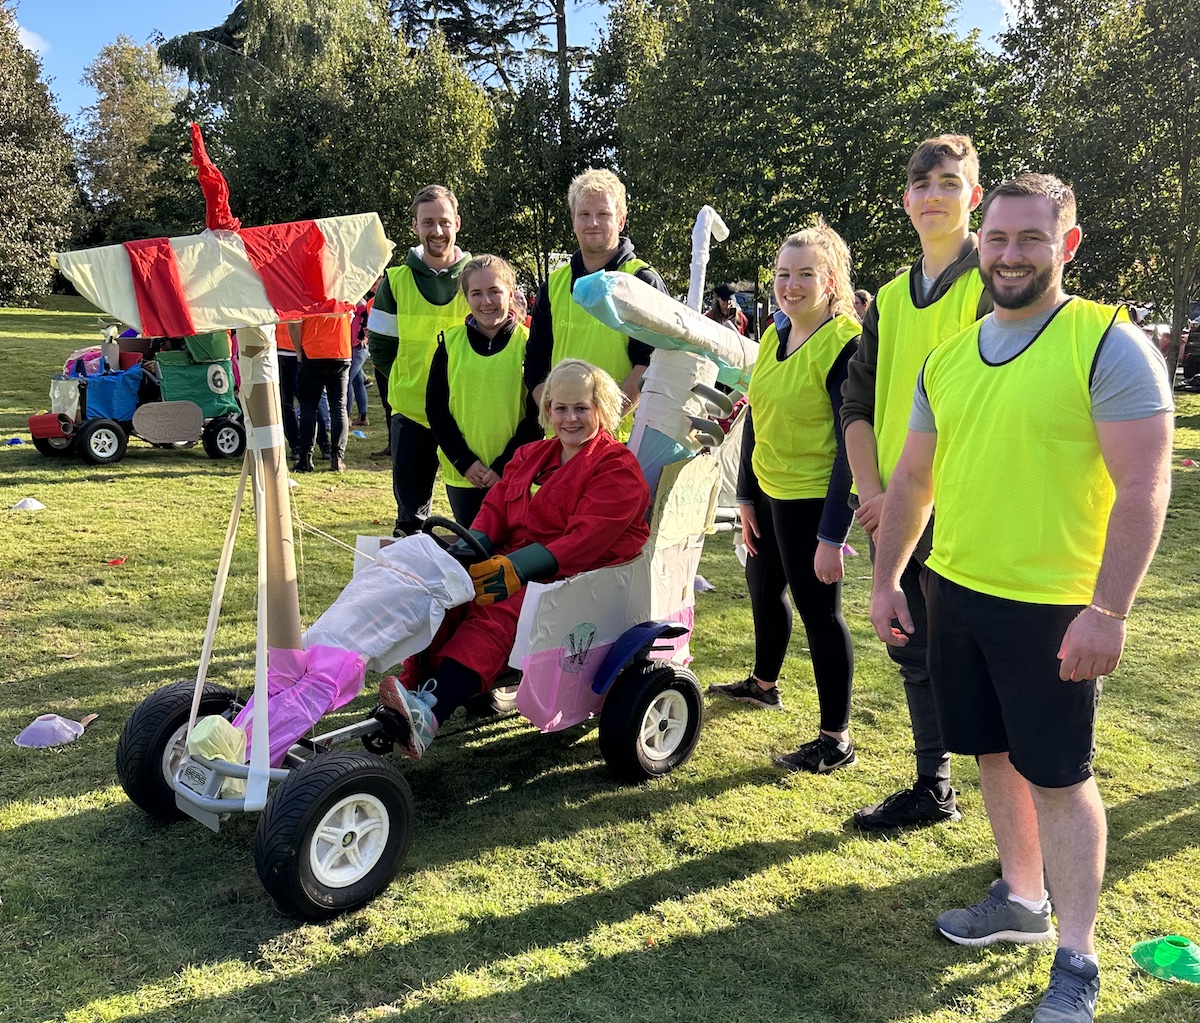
(229, 275)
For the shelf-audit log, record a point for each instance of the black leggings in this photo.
(786, 548)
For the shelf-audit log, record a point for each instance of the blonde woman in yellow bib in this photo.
(793, 488)
(476, 400)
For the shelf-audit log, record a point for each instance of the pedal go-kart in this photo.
(337, 822)
(169, 392)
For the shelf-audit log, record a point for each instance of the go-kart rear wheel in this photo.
(54, 447)
(152, 743)
(650, 721)
(224, 438)
(102, 442)
(334, 834)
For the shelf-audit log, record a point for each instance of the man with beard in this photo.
(1042, 433)
(415, 302)
(563, 330)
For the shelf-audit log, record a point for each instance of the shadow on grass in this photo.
(750, 966)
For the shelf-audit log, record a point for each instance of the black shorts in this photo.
(993, 664)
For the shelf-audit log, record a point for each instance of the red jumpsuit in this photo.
(588, 512)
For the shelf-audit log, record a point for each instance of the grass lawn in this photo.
(536, 889)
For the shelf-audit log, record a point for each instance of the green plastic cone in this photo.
(1172, 957)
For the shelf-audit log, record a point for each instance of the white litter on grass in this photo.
(28, 504)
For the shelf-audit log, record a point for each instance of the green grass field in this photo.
(536, 890)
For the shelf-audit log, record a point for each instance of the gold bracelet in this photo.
(1106, 612)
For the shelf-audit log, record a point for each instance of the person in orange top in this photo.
(324, 347)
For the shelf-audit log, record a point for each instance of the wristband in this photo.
(1106, 612)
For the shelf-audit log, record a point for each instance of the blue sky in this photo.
(67, 34)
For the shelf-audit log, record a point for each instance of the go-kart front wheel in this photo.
(650, 721)
(224, 438)
(334, 834)
(152, 744)
(102, 442)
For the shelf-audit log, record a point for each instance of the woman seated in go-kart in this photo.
(569, 504)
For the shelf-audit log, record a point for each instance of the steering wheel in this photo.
(478, 551)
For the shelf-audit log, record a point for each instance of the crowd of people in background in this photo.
(971, 383)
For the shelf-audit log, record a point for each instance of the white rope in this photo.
(214, 608)
(306, 527)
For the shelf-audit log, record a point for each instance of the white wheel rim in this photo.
(227, 440)
(103, 443)
(349, 840)
(664, 725)
(174, 752)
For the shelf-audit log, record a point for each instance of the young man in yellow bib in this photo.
(939, 295)
(563, 330)
(1042, 435)
(415, 302)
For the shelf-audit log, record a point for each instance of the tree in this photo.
(1114, 105)
(135, 96)
(520, 205)
(325, 111)
(38, 195)
(778, 112)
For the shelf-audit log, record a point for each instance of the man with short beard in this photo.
(563, 330)
(1043, 434)
(415, 302)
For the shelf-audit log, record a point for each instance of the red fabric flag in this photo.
(218, 216)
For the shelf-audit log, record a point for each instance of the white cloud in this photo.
(32, 41)
(1012, 12)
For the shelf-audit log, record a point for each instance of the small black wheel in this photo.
(461, 532)
(152, 743)
(650, 721)
(334, 834)
(54, 447)
(102, 442)
(224, 438)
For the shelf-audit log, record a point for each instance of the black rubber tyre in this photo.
(54, 447)
(650, 721)
(151, 743)
(102, 442)
(224, 438)
(334, 834)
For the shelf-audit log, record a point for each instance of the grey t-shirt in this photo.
(1129, 380)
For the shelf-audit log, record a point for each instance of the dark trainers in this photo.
(819, 756)
(749, 691)
(1074, 988)
(913, 807)
(996, 918)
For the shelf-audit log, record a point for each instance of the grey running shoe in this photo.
(749, 691)
(996, 918)
(819, 756)
(913, 807)
(1074, 988)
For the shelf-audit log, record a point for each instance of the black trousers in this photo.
(786, 548)
(414, 469)
(317, 377)
(465, 503)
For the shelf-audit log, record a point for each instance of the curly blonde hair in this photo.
(602, 182)
(574, 380)
(833, 256)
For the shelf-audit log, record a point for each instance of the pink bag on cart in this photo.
(302, 686)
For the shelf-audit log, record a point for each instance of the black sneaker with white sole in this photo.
(820, 756)
(749, 691)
